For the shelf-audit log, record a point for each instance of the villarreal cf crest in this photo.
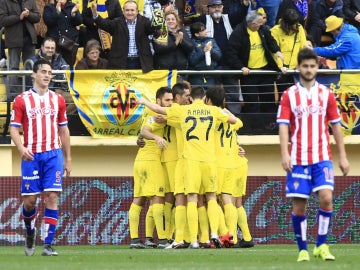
(106, 99)
(119, 99)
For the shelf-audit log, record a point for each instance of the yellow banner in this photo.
(106, 99)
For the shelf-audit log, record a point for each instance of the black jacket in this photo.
(238, 50)
(170, 56)
(113, 9)
(63, 22)
(350, 9)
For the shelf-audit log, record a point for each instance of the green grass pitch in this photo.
(121, 257)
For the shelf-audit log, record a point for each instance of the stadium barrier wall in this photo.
(94, 211)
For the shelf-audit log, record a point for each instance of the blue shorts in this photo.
(44, 173)
(311, 178)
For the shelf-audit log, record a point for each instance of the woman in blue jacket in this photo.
(204, 47)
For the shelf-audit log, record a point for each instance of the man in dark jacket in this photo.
(351, 11)
(130, 48)
(48, 51)
(324, 9)
(110, 10)
(251, 47)
(18, 18)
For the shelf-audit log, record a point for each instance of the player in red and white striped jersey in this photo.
(42, 114)
(305, 111)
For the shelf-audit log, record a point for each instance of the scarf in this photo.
(210, 25)
(159, 23)
(302, 6)
(105, 37)
(190, 9)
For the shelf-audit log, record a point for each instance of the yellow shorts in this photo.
(241, 173)
(169, 173)
(200, 176)
(179, 176)
(226, 180)
(148, 179)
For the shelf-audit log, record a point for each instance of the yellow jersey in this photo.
(226, 143)
(151, 151)
(198, 122)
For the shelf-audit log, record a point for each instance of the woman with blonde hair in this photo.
(173, 46)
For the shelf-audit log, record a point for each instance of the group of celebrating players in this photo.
(192, 170)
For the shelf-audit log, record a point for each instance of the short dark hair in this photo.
(307, 54)
(39, 63)
(216, 95)
(197, 27)
(48, 39)
(161, 92)
(197, 92)
(179, 89)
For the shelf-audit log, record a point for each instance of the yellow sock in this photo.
(213, 216)
(134, 220)
(186, 229)
(159, 218)
(193, 220)
(223, 229)
(204, 224)
(167, 214)
(231, 219)
(172, 224)
(243, 224)
(149, 223)
(180, 222)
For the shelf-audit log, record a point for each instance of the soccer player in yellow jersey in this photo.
(225, 144)
(240, 191)
(169, 159)
(198, 123)
(181, 96)
(148, 182)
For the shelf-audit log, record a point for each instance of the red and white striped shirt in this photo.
(308, 113)
(40, 117)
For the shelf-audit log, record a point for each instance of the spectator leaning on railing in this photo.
(290, 36)
(346, 49)
(251, 47)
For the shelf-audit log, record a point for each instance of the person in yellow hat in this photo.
(346, 48)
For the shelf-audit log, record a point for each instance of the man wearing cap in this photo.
(346, 49)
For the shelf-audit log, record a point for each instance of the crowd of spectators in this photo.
(177, 34)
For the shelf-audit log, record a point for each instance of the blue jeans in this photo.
(271, 10)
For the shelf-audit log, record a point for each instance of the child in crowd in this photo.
(205, 56)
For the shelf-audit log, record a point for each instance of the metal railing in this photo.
(77, 125)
